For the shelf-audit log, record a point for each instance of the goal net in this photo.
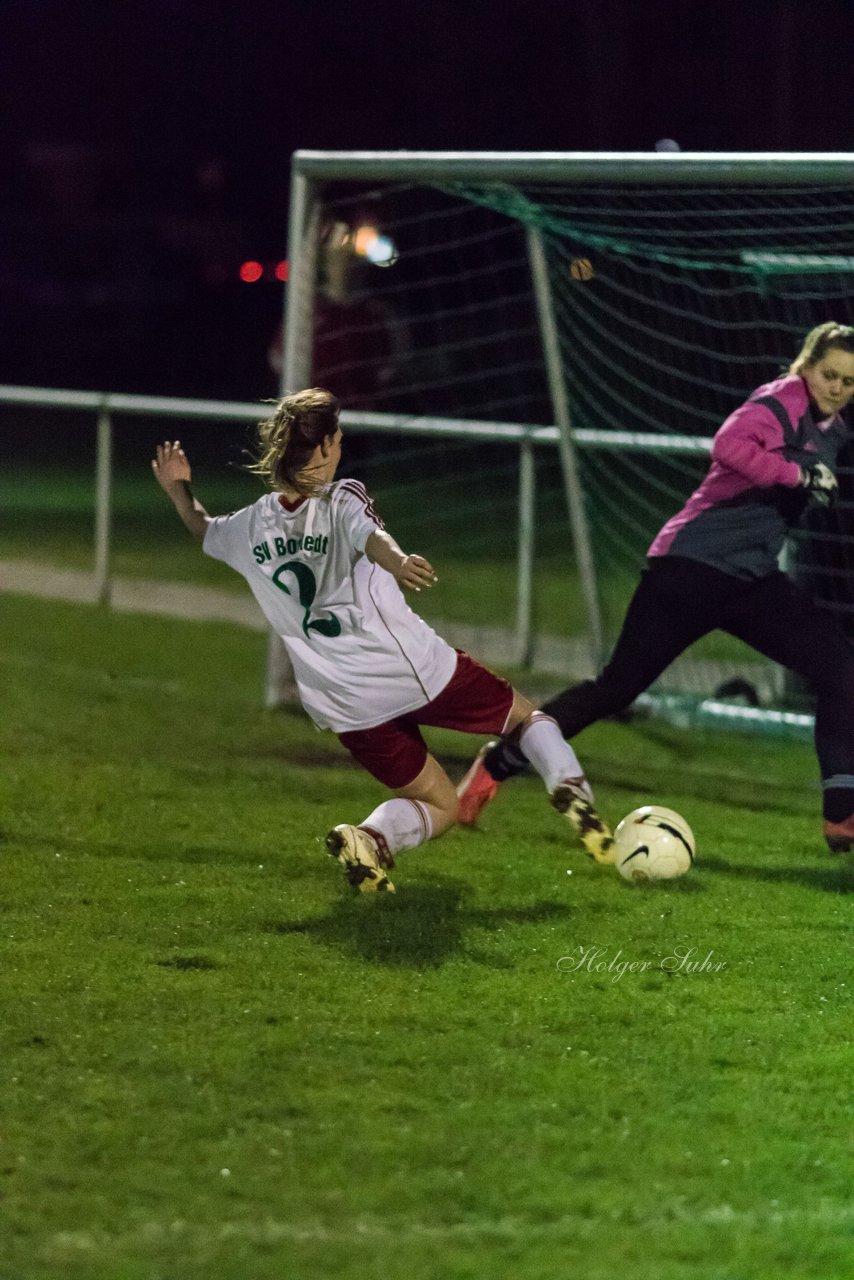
(533, 353)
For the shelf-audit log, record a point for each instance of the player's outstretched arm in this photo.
(172, 472)
(408, 571)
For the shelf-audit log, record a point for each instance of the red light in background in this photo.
(282, 270)
(251, 271)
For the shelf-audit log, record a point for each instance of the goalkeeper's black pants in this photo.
(679, 600)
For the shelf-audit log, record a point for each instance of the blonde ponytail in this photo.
(288, 438)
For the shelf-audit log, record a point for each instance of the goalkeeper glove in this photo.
(820, 483)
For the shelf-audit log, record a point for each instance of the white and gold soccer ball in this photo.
(653, 843)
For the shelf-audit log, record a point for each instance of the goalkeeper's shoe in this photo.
(360, 855)
(475, 790)
(574, 799)
(840, 835)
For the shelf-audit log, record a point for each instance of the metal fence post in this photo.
(525, 555)
(103, 504)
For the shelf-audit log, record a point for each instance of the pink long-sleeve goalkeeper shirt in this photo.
(738, 517)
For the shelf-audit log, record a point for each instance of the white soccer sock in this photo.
(403, 824)
(549, 753)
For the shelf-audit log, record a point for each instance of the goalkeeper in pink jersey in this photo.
(328, 578)
(714, 565)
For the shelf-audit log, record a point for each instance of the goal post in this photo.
(533, 352)
(555, 372)
(280, 686)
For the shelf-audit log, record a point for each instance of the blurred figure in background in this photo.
(359, 342)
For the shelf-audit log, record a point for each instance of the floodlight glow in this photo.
(363, 238)
(368, 243)
(382, 251)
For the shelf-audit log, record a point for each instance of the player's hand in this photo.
(415, 572)
(820, 483)
(171, 466)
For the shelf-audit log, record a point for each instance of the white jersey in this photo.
(360, 655)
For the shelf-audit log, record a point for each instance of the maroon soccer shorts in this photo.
(475, 700)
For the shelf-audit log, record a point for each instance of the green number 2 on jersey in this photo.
(306, 591)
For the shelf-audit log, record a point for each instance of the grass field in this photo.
(216, 1063)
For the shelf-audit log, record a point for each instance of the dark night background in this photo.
(146, 143)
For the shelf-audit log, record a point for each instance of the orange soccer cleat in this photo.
(475, 790)
(840, 835)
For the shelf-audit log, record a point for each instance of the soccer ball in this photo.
(653, 843)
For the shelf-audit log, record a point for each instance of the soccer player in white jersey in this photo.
(328, 578)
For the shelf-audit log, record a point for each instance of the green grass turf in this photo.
(215, 1062)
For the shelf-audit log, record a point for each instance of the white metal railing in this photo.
(106, 405)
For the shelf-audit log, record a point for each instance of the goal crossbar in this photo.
(576, 167)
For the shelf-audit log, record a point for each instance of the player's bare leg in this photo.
(477, 787)
(421, 811)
